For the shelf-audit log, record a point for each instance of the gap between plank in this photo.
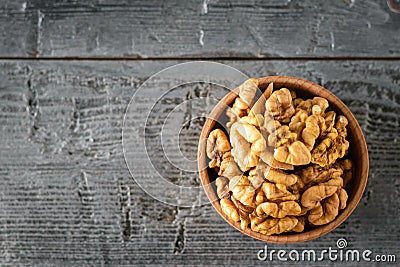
(201, 58)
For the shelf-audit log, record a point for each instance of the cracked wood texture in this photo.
(198, 28)
(67, 197)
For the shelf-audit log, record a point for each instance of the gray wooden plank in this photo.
(16, 26)
(224, 28)
(67, 198)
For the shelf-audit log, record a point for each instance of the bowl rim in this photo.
(317, 90)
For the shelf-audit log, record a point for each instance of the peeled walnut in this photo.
(301, 104)
(239, 109)
(347, 167)
(270, 125)
(242, 190)
(277, 192)
(255, 221)
(242, 104)
(333, 146)
(297, 188)
(281, 165)
(320, 154)
(288, 150)
(342, 198)
(321, 102)
(294, 154)
(244, 212)
(329, 122)
(314, 125)
(341, 125)
(298, 121)
(222, 187)
(247, 90)
(303, 109)
(267, 156)
(264, 171)
(280, 177)
(315, 194)
(273, 226)
(342, 144)
(247, 145)
(242, 207)
(316, 174)
(325, 211)
(324, 200)
(256, 120)
(304, 211)
(300, 225)
(280, 104)
(334, 181)
(257, 174)
(259, 105)
(307, 105)
(217, 145)
(244, 220)
(229, 167)
(283, 209)
(268, 131)
(283, 136)
(260, 197)
(229, 209)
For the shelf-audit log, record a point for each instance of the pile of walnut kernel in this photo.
(281, 168)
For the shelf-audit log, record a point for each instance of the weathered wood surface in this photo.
(202, 28)
(67, 198)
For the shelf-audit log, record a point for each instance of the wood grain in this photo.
(198, 29)
(67, 198)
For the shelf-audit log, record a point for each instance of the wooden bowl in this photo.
(358, 153)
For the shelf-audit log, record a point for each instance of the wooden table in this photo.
(68, 70)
